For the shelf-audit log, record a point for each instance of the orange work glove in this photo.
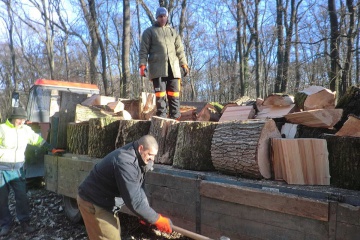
(57, 151)
(164, 224)
(142, 70)
(185, 68)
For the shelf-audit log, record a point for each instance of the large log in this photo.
(131, 130)
(78, 137)
(237, 113)
(165, 131)
(102, 136)
(300, 161)
(193, 146)
(242, 148)
(315, 97)
(290, 130)
(344, 161)
(350, 103)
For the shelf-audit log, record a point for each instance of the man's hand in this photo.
(185, 68)
(142, 70)
(164, 224)
(57, 151)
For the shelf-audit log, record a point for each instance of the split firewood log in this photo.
(77, 138)
(165, 131)
(102, 136)
(131, 130)
(98, 100)
(351, 127)
(193, 146)
(133, 106)
(85, 113)
(278, 99)
(237, 113)
(315, 97)
(325, 118)
(115, 106)
(272, 111)
(350, 103)
(300, 161)
(242, 147)
(149, 105)
(208, 113)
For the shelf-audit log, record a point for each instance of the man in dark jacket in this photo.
(161, 48)
(119, 175)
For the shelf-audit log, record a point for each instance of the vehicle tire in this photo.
(71, 209)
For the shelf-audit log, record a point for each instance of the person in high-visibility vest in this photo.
(14, 137)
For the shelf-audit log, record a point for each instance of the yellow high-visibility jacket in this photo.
(13, 142)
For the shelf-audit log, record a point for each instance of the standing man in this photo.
(14, 137)
(161, 48)
(119, 175)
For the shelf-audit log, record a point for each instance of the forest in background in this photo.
(234, 48)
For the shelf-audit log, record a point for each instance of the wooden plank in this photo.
(305, 207)
(257, 215)
(347, 231)
(182, 196)
(348, 214)
(162, 179)
(51, 172)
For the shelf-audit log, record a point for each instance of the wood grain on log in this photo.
(350, 103)
(274, 111)
(131, 130)
(165, 131)
(242, 147)
(278, 100)
(325, 118)
(102, 136)
(237, 113)
(85, 113)
(315, 97)
(301, 161)
(193, 146)
(78, 137)
(351, 127)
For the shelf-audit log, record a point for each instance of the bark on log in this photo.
(78, 137)
(85, 113)
(242, 148)
(102, 136)
(193, 146)
(165, 131)
(344, 161)
(315, 97)
(131, 130)
(350, 103)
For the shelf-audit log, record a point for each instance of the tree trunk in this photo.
(193, 146)
(242, 148)
(130, 131)
(350, 103)
(78, 137)
(125, 88)
(165, 132)
(102, 136)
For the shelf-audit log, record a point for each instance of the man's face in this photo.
(162, 19)
(18, 122)
(148, 154)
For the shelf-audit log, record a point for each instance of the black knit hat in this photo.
(18, 113)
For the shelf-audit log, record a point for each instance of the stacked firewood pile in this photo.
(301, 139)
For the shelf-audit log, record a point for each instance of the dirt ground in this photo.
(51, 224)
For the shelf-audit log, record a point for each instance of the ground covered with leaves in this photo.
(49, 219)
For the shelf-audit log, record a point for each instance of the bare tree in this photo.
(126, 49)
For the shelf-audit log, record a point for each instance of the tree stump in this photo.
(165, 131)
(78, 137)
(130, 131)
(344, 161)
(102, 136)
(193, 146)
(242, 148)
(350, 103)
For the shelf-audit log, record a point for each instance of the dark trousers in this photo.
(16, 180)
(167, 92)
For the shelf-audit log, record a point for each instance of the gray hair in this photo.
(148, 141)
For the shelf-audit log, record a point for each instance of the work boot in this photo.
(27, 228)
(5, 231)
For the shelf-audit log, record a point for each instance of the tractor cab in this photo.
(45, 100)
